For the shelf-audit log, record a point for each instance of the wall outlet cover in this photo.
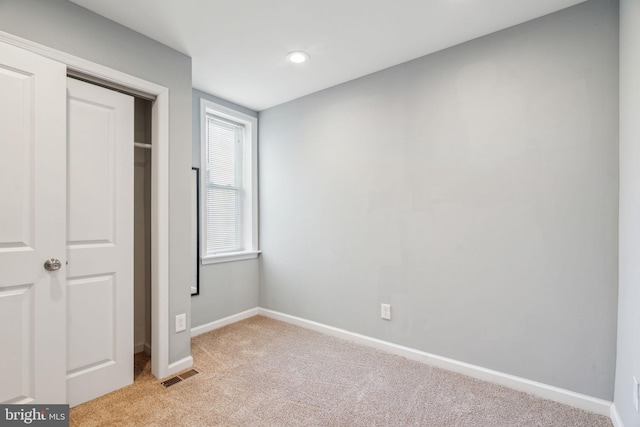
(181, 322)
(385, 311)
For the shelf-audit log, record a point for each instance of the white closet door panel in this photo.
(16, 306)
(32, 227)
(91, 323)
(16, 160)
(92, 177)
(99, 241)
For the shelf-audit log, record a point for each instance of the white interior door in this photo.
(99, 241)
(32, 227)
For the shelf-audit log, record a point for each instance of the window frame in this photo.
(250, 188)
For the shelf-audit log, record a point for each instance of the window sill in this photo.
(232, 256)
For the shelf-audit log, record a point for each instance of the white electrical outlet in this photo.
(181, 322)
(385, 311)
(636, 393)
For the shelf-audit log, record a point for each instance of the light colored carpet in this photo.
(262, 372)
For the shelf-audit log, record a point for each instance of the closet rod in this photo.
(141, 145)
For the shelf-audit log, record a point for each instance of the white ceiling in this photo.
(239, 46)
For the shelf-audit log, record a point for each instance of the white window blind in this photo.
(224, 186)
(229, 184)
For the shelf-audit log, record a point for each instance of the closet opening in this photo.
(142, 235)
(142, 230)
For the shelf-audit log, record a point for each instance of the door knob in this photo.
(52, 264)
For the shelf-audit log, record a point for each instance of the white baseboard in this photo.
(223, 322)
(556, 394)
(140, 347)
(615, 416)
(179, 365)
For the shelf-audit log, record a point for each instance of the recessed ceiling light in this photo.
(297, 57)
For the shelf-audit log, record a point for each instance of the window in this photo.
(229, 184)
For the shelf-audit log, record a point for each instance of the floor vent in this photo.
(178, 378)
(171, 381)
(188, 374)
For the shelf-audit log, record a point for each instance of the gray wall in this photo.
(475, 190)
(69, 28)
(231, 287)
(628, 360)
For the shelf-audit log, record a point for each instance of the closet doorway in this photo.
(109, 316)
(142, 227)
(151, 215)
(99, 240)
